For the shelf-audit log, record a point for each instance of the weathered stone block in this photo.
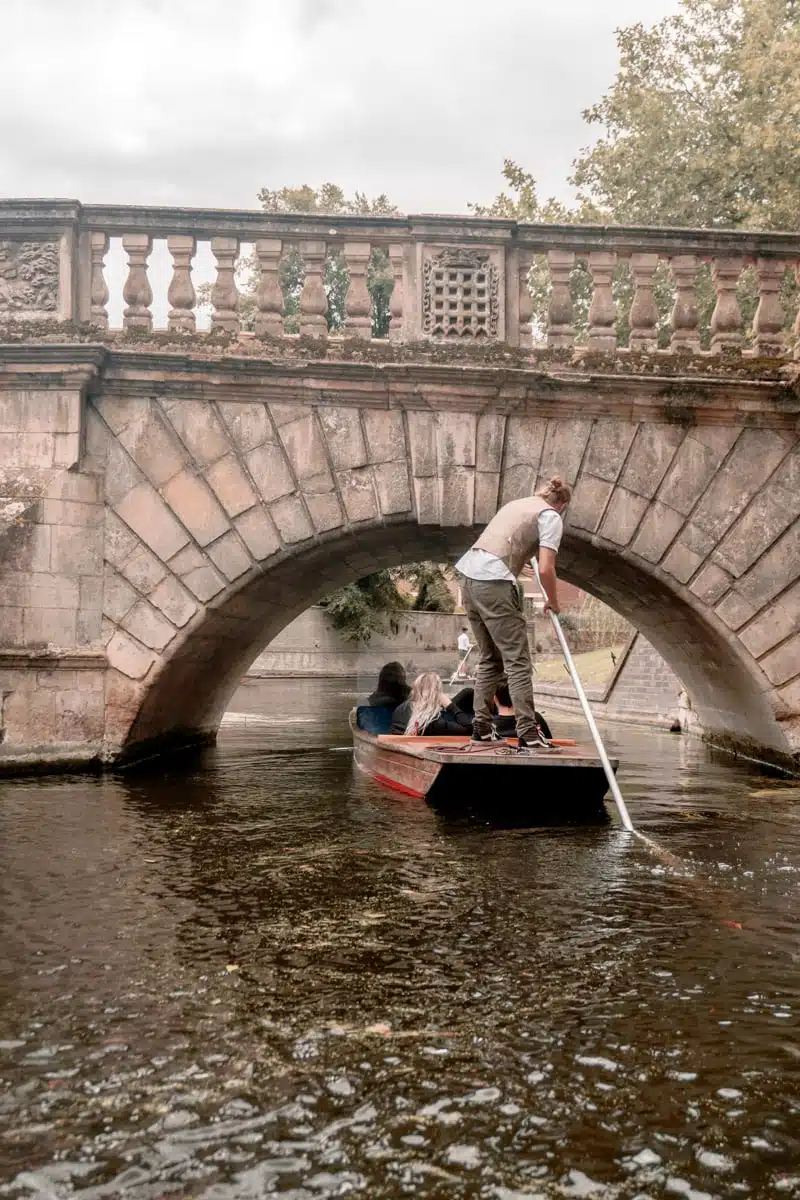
(325, 510)
(66, 450)
(734, 610)
(119, 540)
(753, 459)
(143, 570)
(118, 596)
(343, 433)
(248, 424)
(258, 533)
(427, 497)
(98, 440)
(69, 512)
(154, 447)
(487, 495)
(457, 496)
(128, 656)
(658, 530)
(517, 482)
(150, 518)
(768, 629)
(305, 448)
(270, 471)
(455, 440)
(173, 601)
(776, 570)
(32, 548)
(564, 446)
(624, 512)
(386, 435)
(711, 584)
(524, 442)
(148, 626)
(231, 485)
(292, 520)
(120, 411)
(46, 589)
(652, 452)
(783, 663)
(11, 627)
(49, 627)
(122, 474)
(609, 443)
(193, 502)
(391, 483)
(88, 626)
(204, 582)
(282, 414)
(694, 465)
(763, 521)
(489, 442)
(199, 428)
(230, 556)
(697, 539)
(422, 443)
(76, 488)
(358, 493)
(681, 562)
(588, 502)
(76, 550)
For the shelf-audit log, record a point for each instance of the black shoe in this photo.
(534, 744)
(491, 736)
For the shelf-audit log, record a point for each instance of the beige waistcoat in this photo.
(513, 532)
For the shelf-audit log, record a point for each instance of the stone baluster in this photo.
(313, 303)
(396, 301)
(684, 319)
(643, 314)
(726, 320)
(524, 261)
(768, 321)
(560, 331)
(137, 293)
(180, 293)
(602, 310)
(224, 295)
(98, 289)
(269, 297)
(358, 302)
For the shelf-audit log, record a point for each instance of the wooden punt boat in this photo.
(442, 768)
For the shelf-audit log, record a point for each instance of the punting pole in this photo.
(587, 712)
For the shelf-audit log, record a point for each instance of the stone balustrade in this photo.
(454, 279)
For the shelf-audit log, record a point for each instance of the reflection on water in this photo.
(257, 974)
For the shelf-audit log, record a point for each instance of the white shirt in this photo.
(463, 641)
(480, 564)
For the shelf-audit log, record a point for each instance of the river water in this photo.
(259, 974)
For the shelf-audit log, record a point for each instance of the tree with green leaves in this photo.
(701, 127)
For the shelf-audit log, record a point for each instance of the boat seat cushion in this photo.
(375, 719)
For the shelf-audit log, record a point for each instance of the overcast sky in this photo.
(201, 102)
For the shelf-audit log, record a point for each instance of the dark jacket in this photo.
(449, 722)
(389, 699)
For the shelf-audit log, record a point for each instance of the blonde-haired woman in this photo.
(429, 711)
(488, 573)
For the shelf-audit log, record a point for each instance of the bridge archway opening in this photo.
(196, 679)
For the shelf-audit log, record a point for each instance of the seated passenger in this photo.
(392, 687)
(505, 721)
(428, 711)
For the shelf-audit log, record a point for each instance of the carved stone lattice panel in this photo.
(460, 295)
(29, 278)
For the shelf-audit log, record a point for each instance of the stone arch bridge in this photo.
(168, 507)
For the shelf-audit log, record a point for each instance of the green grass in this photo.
(595, 667)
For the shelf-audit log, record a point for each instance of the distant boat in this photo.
(570, 779)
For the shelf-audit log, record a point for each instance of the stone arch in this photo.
(225, 518)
